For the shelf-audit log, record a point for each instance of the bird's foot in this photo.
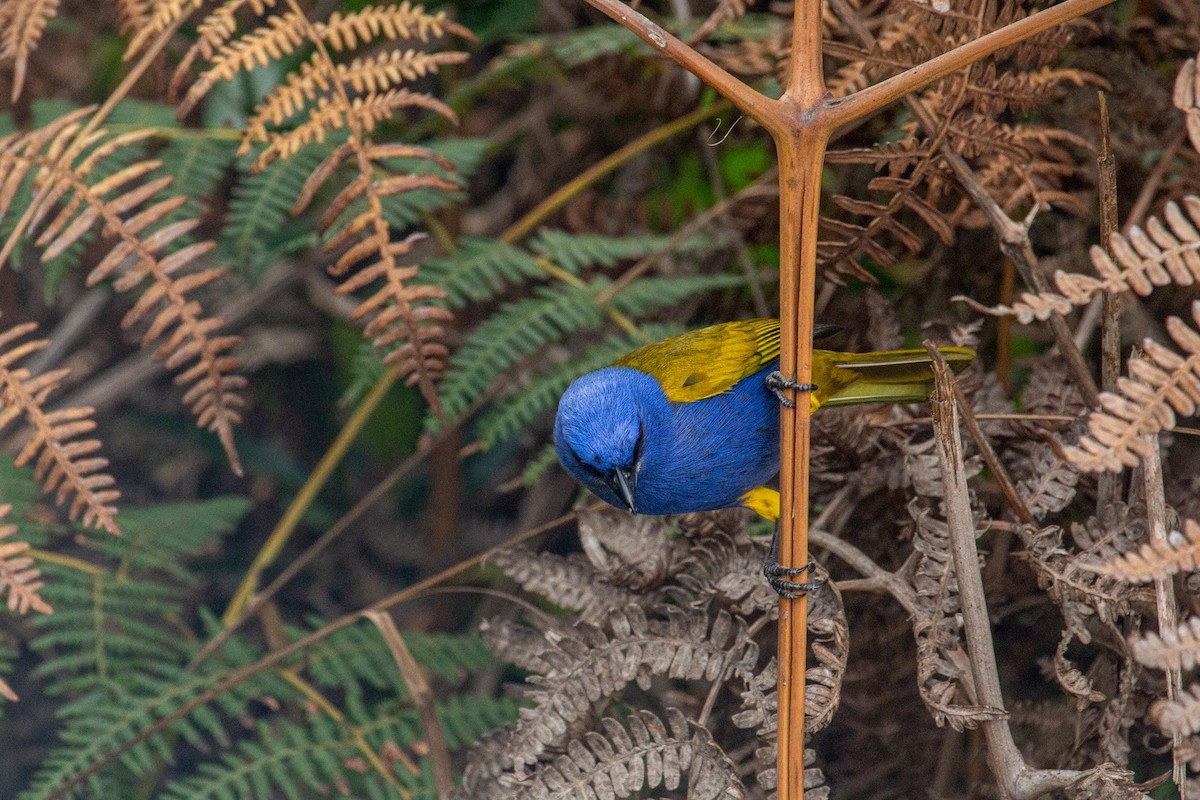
(778, 383)
(777, 574)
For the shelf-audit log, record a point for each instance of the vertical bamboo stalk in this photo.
(800, 145)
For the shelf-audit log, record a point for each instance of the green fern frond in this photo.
(366, 369)
(113, 625)
(573, 48)
(465, 719)
(648, 295)
(8, 657)
(479, 270)
(112, 715)
(21, 491)
(260, 209)
(160, 539)
(515, 331)
(576, 252)
(356, 657)
(318, 755)
(537, 466)
(517, 412)
(198, 164)
(57, 268)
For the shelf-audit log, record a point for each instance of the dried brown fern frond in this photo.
(184, 336)
(166, 15)
(829, 641)
(1180, 717)
(22, 23)
(1187, 99)
(1166, 252)
(1161, 385)
(1074, 682)
(569, 582)
(211, 35)
(135, 210)
(937, 626)
(1021, 166)
(63, 463)
(591, 662)
(632, 552)
(622, 759)
(19, 579)
(1177, 649)
(332, 87)
(1162, 558)
(371, 76)
(134, 15)
(403, 318)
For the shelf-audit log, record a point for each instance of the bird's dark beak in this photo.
(623, 482)
(821, 330)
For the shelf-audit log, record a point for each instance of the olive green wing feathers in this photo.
(709, 361)
(894, 376)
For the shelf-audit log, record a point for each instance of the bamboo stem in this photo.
(800, 146)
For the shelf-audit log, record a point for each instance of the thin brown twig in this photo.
(900, 423)
(741, 252)
(1141, 205)
(422, 697)
(1015, 778)
(994, 464)
(1164, 588)
(1108, 485)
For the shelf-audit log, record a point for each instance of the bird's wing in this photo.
(894, 376)
(706, 362)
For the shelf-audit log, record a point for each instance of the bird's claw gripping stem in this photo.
(778, 383)
(777, 574)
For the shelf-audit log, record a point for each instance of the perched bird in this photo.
(691, 423)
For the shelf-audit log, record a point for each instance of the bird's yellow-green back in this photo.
(700, 364)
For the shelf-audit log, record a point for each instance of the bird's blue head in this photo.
(605, 421)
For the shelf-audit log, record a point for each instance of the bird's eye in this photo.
(585, 465)
(637, 447)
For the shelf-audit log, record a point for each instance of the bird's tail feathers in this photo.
(896, 376)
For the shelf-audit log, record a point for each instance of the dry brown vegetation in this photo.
(492, 204)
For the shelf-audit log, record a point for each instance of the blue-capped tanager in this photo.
(691, 423)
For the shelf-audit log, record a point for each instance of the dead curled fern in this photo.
(1161, 384)
(1179, 552)
(691, 603)
(63, 463)
(623, 757)
(1165, 252)
(593, 662)
(403, 318)
(21, 26)
(1177, 649)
